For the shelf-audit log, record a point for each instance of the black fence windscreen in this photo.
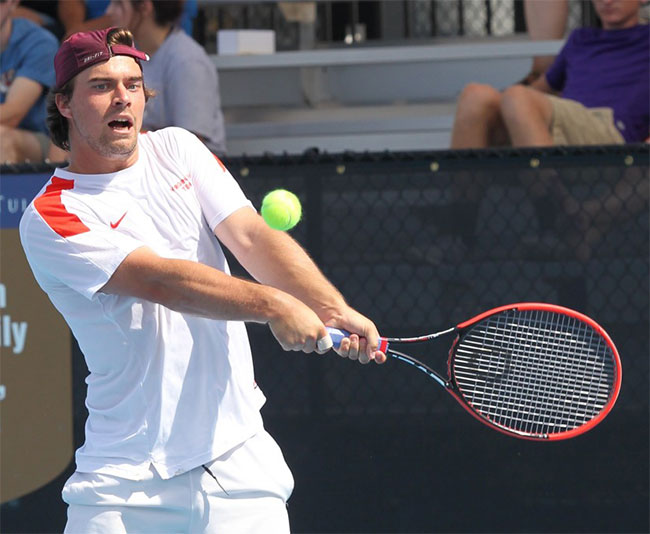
(420, 242)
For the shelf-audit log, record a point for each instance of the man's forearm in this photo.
(276, 259)
(192, 287)
(282, 263)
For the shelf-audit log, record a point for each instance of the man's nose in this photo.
(121, 96)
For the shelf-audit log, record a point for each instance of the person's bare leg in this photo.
(477, 123)
(527, 115)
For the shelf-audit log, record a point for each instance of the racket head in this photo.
(535, 371)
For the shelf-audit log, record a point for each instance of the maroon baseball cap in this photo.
(84, 49)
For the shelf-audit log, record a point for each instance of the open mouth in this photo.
(121, 125)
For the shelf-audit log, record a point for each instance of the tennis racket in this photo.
(530, 370)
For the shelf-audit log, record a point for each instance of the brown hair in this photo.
(57, 123)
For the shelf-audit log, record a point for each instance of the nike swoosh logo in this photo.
(114, 225)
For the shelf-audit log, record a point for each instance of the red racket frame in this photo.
(524, 306)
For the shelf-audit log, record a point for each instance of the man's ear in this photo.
(63, 104)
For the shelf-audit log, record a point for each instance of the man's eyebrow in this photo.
(103, 79)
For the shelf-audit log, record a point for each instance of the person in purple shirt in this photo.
(596, 91)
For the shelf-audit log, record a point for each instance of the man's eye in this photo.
(100, 86)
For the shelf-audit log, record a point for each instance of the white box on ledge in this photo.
(238, 42)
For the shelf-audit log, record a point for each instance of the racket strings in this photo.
(535, 372)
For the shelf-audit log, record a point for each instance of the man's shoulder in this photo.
(169, 132)
(169, 139)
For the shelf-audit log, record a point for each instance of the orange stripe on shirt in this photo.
(56, 215)
(223, 167)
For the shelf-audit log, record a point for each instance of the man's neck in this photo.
(623, 25)
(150, 40)
(91, 163)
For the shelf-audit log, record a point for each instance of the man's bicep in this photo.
(239, 231)
(134, 276)
(267, 254)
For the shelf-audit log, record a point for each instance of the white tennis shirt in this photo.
(164, 388)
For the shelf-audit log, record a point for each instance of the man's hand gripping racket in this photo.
(531, 370)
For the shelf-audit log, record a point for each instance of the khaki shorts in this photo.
(574, 124)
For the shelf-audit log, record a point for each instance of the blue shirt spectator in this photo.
(29, 54)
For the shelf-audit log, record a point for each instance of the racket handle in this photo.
(337, 336)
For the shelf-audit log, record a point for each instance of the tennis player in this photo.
(126, 241)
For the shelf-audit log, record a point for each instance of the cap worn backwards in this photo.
(85, 49)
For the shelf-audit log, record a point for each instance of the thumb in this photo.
(324, 344)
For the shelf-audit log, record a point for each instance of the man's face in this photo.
(105, 109)
(618, 14)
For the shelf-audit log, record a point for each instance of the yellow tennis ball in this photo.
(281, 209)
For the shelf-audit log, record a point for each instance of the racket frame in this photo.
(450, 384)
(541, 306)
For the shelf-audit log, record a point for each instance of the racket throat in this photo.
(420, 366)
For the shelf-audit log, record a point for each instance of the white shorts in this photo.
(250, 494)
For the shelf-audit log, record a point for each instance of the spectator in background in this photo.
(602, 76)
(180, 72)
(547, 20)
(26, 73)
(87, 15)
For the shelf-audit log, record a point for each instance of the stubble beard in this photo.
(107, 147)
(115, 148)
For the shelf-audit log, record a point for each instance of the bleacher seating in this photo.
(361, 98)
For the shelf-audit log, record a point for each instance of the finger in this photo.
(344, 347)
(353, 351)
(364, 354)
(324, 344)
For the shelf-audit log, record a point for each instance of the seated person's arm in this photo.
(72, 14)
(29, 14)
(542, 85)
(22, 95)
